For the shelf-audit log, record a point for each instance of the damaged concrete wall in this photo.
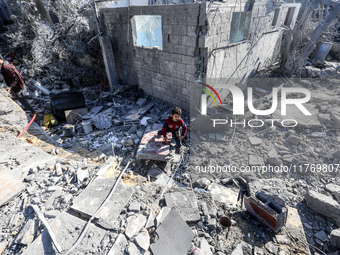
(227, 60)
(163, 73)
(215, 41)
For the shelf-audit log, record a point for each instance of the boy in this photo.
(15, 82)
(173, 125)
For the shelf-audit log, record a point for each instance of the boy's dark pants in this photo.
(178, 141)
(23, 101)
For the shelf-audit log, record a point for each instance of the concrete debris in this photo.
(185, 204)
(10, 185)
(323, 204)
(228, 196)
(334, 190)
(178, 241)
(204, 246)
(119, 245)
(67, 229)
(162, 215)
(143, 239)
(335, 238)
(28, 232)
(134, 224)
(95, 193)
(151, 221)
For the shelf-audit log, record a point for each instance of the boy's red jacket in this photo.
(170, 126)
(12, 77)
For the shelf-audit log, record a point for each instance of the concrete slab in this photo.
(174, 234)
(152, 147)
(185, 203)
(294, 231)
(309, 121)
(135, 114)
(93, 196)
(67, 229)
(119, 246)
(11, 185)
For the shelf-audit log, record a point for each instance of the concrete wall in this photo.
(236, 61)
(163, 73)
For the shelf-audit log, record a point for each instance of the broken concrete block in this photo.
(334, 190)
(185, 203)
(335, 238)
(119, 246)
(134, 224)
(28, 232)
(174, 234)
(243, 246)
(51, 199)
(323, 204)
(275, 161)
(294, 230)
(143, 239)
(321, 235)
(254, 160)
(162, 215)
(134, 207)
(228, 196)
(10, 185)
(96, 192)
(271, 248)
(255, 141)
(135, 114)
(141, 102)
(67, 229)
(132, 249)
(151, 221)
(68, 130)
(58, 169)
(204, 246)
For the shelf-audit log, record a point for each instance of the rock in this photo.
(29, 178)
(204, 246)
(143, 239)
(293, 139)
(128, 142)
(321, 235)
(255, 141)
(242, 248)
(134, 224)
(272, 248)
(334, 190)
(140, 133)
(133, 129)
(335, 238)
(336, 155)
(204, 208)
(323, 204)
(51, 214)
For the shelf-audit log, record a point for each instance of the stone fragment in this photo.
(255, 141)
(335, 238)
(334, 190)
(323, 204)
(134, 224)
(119, 246)
(143, 239)
(293, 139)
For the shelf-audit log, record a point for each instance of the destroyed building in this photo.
(163, 48)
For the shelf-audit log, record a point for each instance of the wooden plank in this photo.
(109, 61)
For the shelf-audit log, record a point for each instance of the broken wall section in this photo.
(163, 71)
(243, 37)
